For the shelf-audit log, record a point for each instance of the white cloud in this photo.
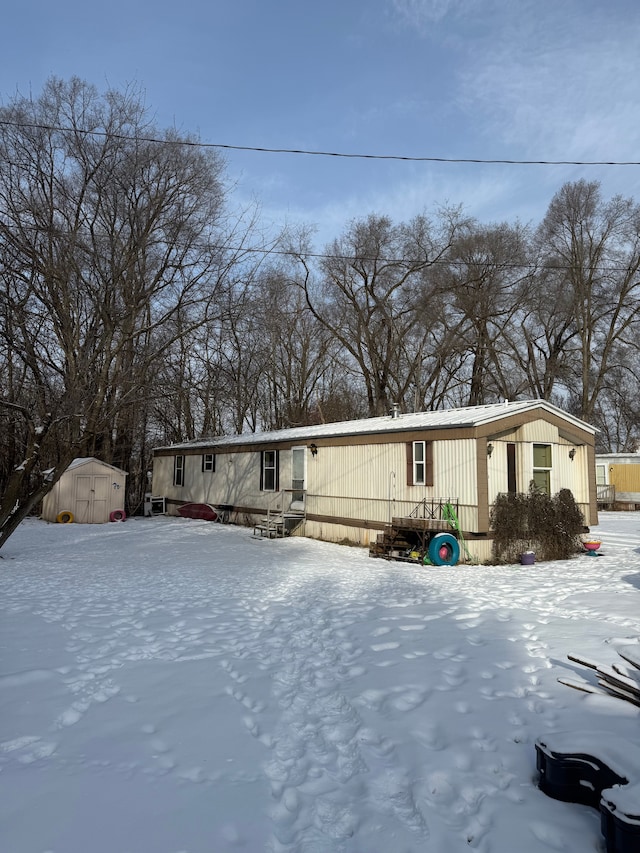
(549, 80)
(492, 194)
(512, 79)
(560, 85)
(420, 13)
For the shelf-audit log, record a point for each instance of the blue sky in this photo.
(489, 79)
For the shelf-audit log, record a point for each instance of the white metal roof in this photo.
(469, 416)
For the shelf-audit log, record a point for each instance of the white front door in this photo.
(298, 475)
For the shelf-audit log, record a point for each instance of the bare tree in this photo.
(299, 353)
(367, 295)
(618, 408)
(543, 336)
(105, 236)
(593, 248)
(487, 264)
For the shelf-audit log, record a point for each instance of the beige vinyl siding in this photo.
(364, 471)
(369, 481)
(565, 472)
(236, 479)
(539, 432)
(360, 481)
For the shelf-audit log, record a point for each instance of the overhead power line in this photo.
(539, 266)
(432, 159)
(319, 153)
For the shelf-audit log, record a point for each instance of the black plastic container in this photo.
(578, 777)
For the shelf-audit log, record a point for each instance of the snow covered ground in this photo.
(175, 686)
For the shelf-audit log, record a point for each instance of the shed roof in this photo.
(85, 460)
(469, 416)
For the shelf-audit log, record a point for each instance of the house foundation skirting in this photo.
(347, 531)
(357, 531)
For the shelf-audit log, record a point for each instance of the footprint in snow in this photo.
(440, 790)
(476, 831)
(454, 675)
(406, 699)
(383, 647)
(450, 653)
(432, 736)
(28, 749)
(549, 835)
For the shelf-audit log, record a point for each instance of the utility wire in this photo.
(430, 159)
(540, 266)
(314, 153)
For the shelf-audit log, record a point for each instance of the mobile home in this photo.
(618, 480)
(350, 480)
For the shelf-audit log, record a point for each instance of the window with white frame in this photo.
(420, 463)
(542, 465)
(178, 470)
(208, 462)
(601, 475)
(269, 471)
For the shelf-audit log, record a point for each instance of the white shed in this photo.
(88, 492)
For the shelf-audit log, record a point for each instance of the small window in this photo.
(601, 475)
(420, 463)
(542, 463)
(208, 462)
(269, 471)
(178, 471)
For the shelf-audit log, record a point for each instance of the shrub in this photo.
(549, 525)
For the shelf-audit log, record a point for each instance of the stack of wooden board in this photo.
(599, 769)
(621, 680)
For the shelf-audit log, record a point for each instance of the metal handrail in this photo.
(434, 508)
(276, 496)
(279, 496)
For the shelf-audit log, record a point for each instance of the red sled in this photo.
(206, 512)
